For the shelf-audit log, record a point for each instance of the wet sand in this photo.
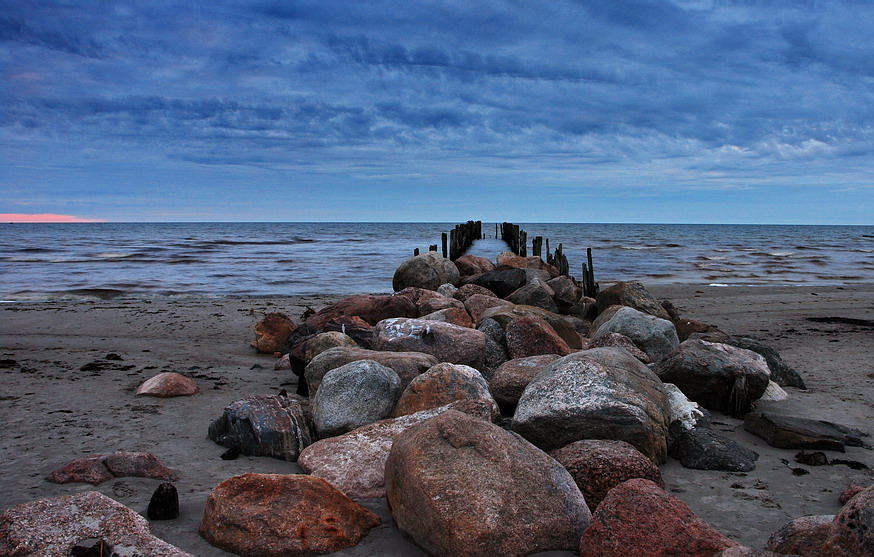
(53, 411)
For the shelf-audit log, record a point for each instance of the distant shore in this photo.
(53, 411)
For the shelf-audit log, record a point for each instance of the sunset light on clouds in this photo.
(46, 217)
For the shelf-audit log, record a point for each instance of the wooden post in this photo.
(537, 246)
(415, 252)
(443, 240)
(432, 248)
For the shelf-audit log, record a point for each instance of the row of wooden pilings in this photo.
(463, 235)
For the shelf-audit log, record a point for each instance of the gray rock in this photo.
(444, 341)
(511, 378)
(657, 337)
(705, 449)
(634, 295)
(781, 373)
(407, 365)
(717, 376)
(263, 425)
(353, 395)
(567, 292)
(428, 270)
(789, 432)
(502, 283)
(603, 393)
(535, 293)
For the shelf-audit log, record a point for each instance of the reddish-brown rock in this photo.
(373, 308)
(689, 327)
(355, 462)
(273, 515)
(531, 335)
(804, 536)
(851, 533)
(469, 265)
(272, 332)
(317, 344)
(168, 384)
(639, 518)
(509, 260)
(600, 465)
(429, 301)
(461, 486)
(503, 315)
(444, 341)
(97, 469)
(52, 527)
(454, 316)
(510, 379)
(477, 304)
(849, 492)
(618, 340)
(468, 290)
(444, 384)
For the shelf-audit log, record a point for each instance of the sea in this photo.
(71, 261)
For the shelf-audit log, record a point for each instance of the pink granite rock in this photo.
(97, 469)
(446, 342)
(168, 384)
(531, 335)
(370, 307)
(272, 332)
(444, 384)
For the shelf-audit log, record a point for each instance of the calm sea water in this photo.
(59, 261)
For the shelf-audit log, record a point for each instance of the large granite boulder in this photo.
(444, 341)
(454, 316)
(406, 364)
(781, 373)
(502, 283)
(717, 376)
(567, 292)
(428, 271)
(96, 469)
(457, 485)
(274, 515)
(804, 536)
(52, 527)
(602, 393)
(531, 335)
(617, 340)
(790, 432)
(320, 342)
(355, 462)
(509, 260)
(631, 294)
(272, 331)
(655, 336)
(504, 314)
(441, 385)
(470, 265)
(599, 465)
(705, 449)
(166, 385)
(639, 518)
(510, 379)
(373, 308)
(353, 395)
(535, 293)
(467, 290)
(852, 531)
(429, 301)
(263, 425)
(477, 304)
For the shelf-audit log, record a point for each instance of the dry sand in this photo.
(53, 412)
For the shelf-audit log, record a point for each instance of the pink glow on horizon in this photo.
(44, 217)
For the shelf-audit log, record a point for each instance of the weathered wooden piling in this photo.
(462, 236)
(590, 287)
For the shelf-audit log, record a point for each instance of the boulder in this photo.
(457, 485)
(263, 425)
(275, 515)
(454, 316)
(318, 343)
(781, 373)
(789, 432)
(441, 385)
(353, 395)
(372, 308)
(503, 315)
(353, 326)
(849, 492)
(804, 536)
(428, 271)
(536, 294)
(52, 527)
(447, 289)
(602, 393)
(705, 449)
(639, 518)
(531, 335)
(355, 462)
(429, 301)
(477, 304)
(566, 292)
(618, 340)
(272, 332)
(495, 355)
(164, 504)
(717, 376)
(167, 384)
(96, 469)
(657, 337)
(690, 328)
(509, 260)
(444, 341)
(466, 291)
(502, 283)
(469, 265)
(406, 364)
(510, 379)
(851, 533)
(599, 465)
(631, 294)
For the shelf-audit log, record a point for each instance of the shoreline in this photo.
(55, 412)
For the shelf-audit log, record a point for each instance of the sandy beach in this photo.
(53, 411)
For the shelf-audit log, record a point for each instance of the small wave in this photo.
(34, 250)
(286, 261)
(114, 255)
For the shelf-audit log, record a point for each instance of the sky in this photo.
(689, 111)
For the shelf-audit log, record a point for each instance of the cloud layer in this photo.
(107, 104)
